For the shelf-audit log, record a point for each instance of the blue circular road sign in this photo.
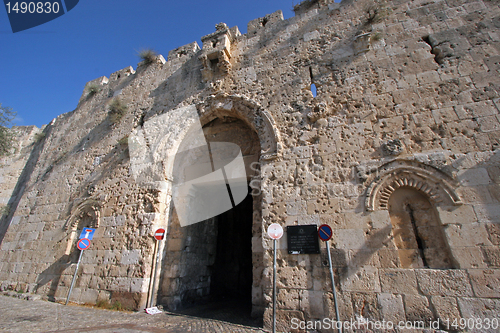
(83, 244)
(325, 232)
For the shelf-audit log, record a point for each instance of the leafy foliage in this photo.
(375, 13)
(376, 36)
(148, 56)
(39, 136)
(4, 210)
(93, 89)
(305, 5)
(6, 134)
(117, 109)
(104, 304)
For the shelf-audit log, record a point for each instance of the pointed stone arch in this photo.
(85, 214)
(153, 146)
(435, 184)
(90, 208)
(258, 119)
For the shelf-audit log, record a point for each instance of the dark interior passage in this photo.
(218, 283)
(232, 269)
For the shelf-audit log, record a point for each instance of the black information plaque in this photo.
(302, 239)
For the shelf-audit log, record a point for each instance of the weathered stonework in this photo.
(397, 152)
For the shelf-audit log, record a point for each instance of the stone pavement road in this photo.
(18, 315)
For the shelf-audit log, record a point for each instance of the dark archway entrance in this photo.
(227, 272)
(232, 269)
(208, 268)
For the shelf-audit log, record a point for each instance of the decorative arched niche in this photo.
(87, 214)
(411, 191)
(435, 184)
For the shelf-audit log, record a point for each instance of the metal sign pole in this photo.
(74, 277)
(333, 285)
(153, 277)
(274, 287)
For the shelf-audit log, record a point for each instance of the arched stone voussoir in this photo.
(435, 184)
(258, 119)
(90, 207)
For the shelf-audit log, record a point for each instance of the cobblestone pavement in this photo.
(19, 315)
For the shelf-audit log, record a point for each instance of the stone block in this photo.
(494, 192)
(469, 257)
(485, 282)
(493, 230)
(491, 256)
(294, 277)
(287, 299)
(393, 124)
(443, 282)
(286, 320)
(355, 220)
(365, 305)
(131, 257)
(487, 213)
(380, 219)
(452, 214)
(344, 304)
(311, 36)
(417, 308)
(489, 124)
(445, 115)
(445, 308)
(362, 279)
(389, 258)
(349, 239)
(89, 296)
(312, 303)
(471, 234)
(360, 258)
(323, 206)
(428, 77)
(391, 307)
(174, 245)
(379, 238)
(479, 308)
(476, 176)
(475, 194)
(139, 285)
(398, 281)
(296, 208)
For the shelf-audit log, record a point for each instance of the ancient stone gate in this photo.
(396, 150)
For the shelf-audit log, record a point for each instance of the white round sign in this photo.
(275, 231)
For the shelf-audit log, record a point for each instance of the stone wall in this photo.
(407, 103)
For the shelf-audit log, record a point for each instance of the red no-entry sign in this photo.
(160, 234)
(275, 231)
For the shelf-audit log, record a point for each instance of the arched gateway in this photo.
(220, 257)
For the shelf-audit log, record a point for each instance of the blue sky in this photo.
(43, 70)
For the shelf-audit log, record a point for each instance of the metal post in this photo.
(74, 277)
(333, 285)
(153, 275)
(274, 287)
